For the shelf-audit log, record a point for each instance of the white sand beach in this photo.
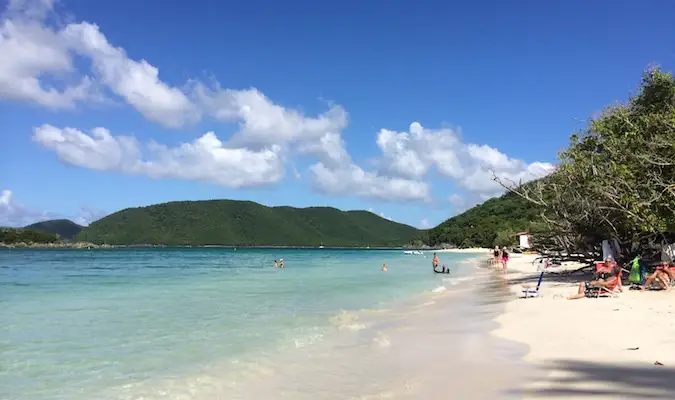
(600, 348)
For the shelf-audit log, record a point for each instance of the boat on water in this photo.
(412, 252)
(321, 245)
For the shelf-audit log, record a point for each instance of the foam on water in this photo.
(213, 323)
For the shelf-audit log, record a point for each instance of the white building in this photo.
(525, 240)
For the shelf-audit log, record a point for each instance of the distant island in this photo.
(249, 224)
(245, 223)
(57, 233)
(64, 229)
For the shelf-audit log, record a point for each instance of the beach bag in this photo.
(635, 275)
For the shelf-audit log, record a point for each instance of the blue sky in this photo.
(401, 107)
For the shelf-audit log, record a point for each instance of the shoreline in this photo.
(88, 245)
(604, 348)
(472, 250)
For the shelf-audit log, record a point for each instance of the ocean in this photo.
(216, 323)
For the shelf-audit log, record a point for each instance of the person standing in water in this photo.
(275, 264)
(384, 267)
(497, 256)
(281, 263)
(435, 262)
(505, 259)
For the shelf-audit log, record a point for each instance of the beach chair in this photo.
(602, 291)
(533, 292)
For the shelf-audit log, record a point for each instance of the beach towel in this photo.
(667, 252)
(611, 248)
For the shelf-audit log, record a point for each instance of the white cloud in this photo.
(456, 200)
(352, 180)
(32, 50)
(87, 215)
(412, 154)
(262, 122)
(15, 214)
(137, 82)
(29, 50)
(407, 158)
(381, 214)
(424, 224)
(268, 135)
(205, 159)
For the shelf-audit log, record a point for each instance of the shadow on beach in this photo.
(590, 379)
(552, 276)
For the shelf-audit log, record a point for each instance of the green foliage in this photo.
(63, 228)
(245, 223)
(480, 225)
(617, 177)
(506, 238)
(28, 236)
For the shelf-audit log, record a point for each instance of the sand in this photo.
(603, 348)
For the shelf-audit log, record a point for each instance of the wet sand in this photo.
(436, 347)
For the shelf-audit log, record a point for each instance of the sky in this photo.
(404, 108)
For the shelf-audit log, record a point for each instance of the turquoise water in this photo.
(92, 324)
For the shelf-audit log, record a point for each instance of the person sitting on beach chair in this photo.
(662, 278)
(605, 285)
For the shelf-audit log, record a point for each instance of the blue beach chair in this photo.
(533, 292)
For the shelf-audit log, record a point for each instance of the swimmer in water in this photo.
(275, 264)
(384, 267)
(435, 262)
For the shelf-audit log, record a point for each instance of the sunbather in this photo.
(663, 277)
(593, 288)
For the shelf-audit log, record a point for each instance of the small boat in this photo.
(413, 252)
(321, 246)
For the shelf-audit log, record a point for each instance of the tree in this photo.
(617, 177)
(506, 238)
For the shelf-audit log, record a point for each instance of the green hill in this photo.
(496, 220)
(245, 223)
(20, 235)
(63, 228)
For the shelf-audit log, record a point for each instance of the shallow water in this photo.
(222, 324)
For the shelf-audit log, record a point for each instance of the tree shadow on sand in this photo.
(591, 379)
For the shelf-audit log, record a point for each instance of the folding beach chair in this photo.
(602, 291)
(533, 292)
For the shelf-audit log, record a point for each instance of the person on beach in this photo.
(435, 262)
(664, 275)
(590, 288)
(505, 259)
(281, 263)
(384, 267)
(276, 265)
(497, 255)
